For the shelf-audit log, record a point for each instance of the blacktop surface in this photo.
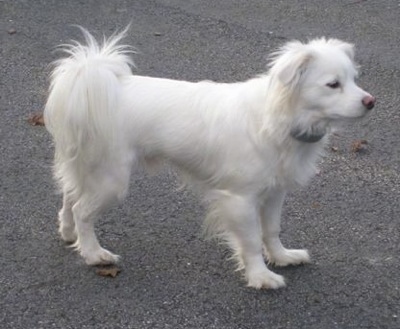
(348, 218)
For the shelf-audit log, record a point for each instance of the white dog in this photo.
(245, 144)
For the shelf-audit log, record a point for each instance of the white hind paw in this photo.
(100, 257)
(68, 233)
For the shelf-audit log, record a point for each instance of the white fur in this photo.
(232, 140)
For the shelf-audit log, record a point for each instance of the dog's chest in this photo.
(291, 166)
(287, 169)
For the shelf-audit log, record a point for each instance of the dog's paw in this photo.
(100, 257)
(265, 279)
(289, 257)
(68, 233)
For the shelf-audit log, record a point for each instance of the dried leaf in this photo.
(108, 271)
(315, 205)
(359, 145)
(36, 119)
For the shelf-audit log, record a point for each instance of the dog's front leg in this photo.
(240, 217)
(271, 225)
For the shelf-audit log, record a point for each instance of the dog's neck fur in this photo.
(311, 136)
(302, 128)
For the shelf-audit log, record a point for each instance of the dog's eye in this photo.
(334, 84)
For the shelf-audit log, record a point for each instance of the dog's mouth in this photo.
(317, 130)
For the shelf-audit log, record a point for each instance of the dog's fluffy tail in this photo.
(84, 92)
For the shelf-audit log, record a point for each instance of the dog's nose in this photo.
(369, 102)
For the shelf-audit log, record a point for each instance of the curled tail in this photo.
(84, 95)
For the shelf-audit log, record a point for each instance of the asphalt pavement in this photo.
(171, 277)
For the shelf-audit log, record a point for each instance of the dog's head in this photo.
(319, 77)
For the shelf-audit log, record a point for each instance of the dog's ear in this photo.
(290, 62)
(347, 48)
(294, 69)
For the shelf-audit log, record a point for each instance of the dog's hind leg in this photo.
(85, 211)
(271, 224)
(240, 226)
(105, 188)
(66, 220)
